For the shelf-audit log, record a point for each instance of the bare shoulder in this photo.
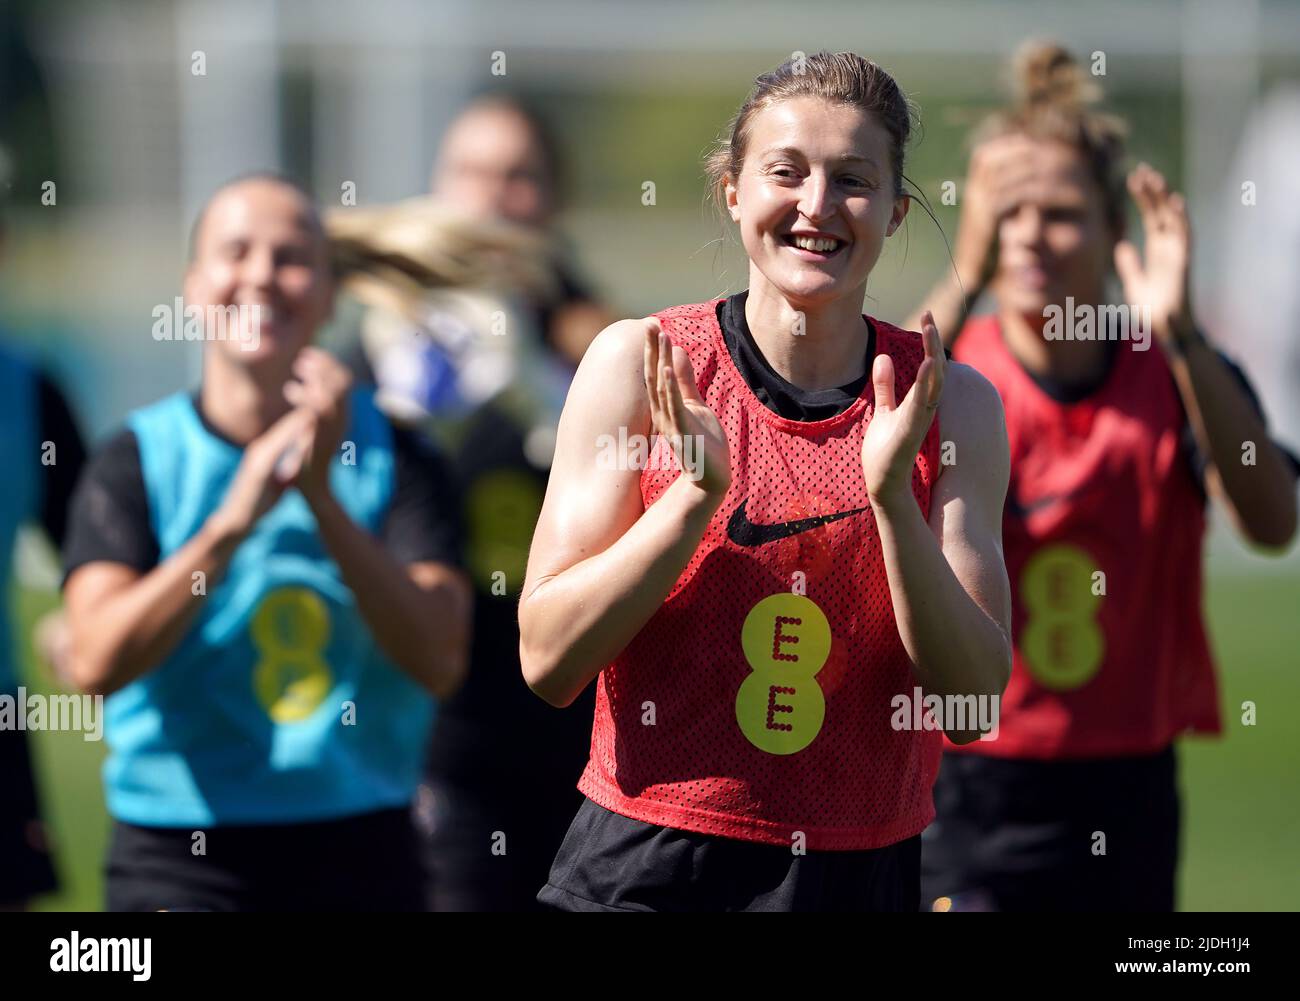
(971, 415)
(619, 346)
(613, 368)
(970, 403)
(608, 390)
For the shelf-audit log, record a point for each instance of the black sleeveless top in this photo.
(774, 392)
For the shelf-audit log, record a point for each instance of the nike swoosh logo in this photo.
(744, 532)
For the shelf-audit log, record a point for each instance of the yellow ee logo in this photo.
(290, 630)
(786, 640)
(1061, 643)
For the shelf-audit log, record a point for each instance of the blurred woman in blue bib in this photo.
(262, 578)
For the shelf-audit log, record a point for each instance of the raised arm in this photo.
(947, 578)
(124, 623)
(418, 613)
(1259, 494)
(999, 172)
(601, 564)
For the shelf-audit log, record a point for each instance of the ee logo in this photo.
(291, 677)
(1061, 641)
(786, 640)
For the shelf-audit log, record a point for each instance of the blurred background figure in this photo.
(497, 164)
(261, 577)
(486, 371)
(46, 456)
(1258, 293)
(499, 160)
(1117, 448)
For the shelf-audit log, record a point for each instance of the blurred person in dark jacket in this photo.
(485, 370)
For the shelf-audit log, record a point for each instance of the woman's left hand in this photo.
(1161, 281)
(895, 431)
(322, 387)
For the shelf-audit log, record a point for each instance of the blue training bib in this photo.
(277, 706)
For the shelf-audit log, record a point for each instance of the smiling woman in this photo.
(1119, 434)
(752, 622)
(837, 135)
(248, 566)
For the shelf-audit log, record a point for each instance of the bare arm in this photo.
(601, 564)
(997, 175)
(947, 578)
(124, 623)
(417, 613)
(949, 301)
(1259, 495)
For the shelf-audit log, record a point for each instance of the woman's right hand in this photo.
(1000, 169)
(680, 414)
(602, 562)
(271, 462)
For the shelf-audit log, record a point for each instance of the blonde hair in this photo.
(393, 256)
(1053, 99)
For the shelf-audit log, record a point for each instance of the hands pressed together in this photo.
(295, 451)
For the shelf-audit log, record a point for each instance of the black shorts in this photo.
(369, 862)
(611, 863)
(488, 846)
(1026, 835)
(25, 866)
